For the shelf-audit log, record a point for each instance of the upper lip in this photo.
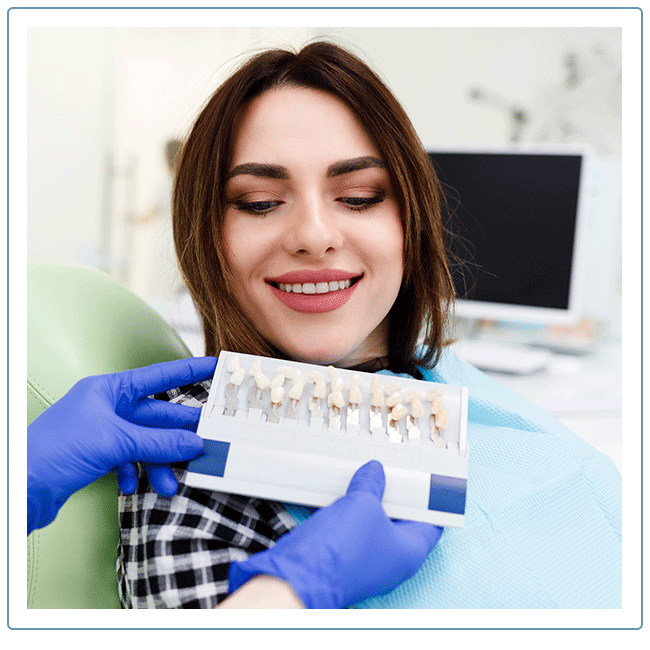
(309, 275)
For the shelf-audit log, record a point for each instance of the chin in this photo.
(320, 354)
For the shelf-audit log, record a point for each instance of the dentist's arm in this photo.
(105, 423)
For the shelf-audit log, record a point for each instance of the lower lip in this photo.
(314, 303)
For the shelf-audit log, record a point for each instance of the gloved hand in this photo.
(346, 552)
(106, 422)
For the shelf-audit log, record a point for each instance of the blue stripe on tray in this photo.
(213, 460)
(447, 494)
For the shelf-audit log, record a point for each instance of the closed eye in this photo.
(359, 203)
(256, 207)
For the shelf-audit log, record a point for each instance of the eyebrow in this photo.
(354, 165)
(265, 170)
(259, 169)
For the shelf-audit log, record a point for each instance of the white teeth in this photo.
(310, 287)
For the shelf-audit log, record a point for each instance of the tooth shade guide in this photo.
(313, 445)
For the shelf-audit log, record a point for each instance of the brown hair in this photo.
(423, 304)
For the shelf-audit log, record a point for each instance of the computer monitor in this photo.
(519, 217)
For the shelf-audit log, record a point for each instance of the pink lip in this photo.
(309, 275)
(314, 303)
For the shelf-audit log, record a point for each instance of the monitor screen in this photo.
(517, 220)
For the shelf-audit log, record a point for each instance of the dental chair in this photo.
(82, 322)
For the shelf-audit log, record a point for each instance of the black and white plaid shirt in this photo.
(176, 553)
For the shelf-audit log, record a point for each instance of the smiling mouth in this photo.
(312, 288)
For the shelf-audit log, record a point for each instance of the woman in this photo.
(404, 182)
(303, 175)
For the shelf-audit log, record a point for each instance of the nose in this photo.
(312, 229)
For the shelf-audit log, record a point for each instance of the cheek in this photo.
(235, 260)
(385, 245)
(241, 248)
(231, 242)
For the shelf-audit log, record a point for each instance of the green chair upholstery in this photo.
(82, 322)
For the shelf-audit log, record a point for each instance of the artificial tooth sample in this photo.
(287, 371)
(442, 422)
(334, 373)
(354, 399)
(394, 387)
(295, 393)
(376, 404)
(255, 391)
(336, 402)
(317, 397)
(417, 411)
(235, 381)
(396, 412)
(277, 397)
(438, 416)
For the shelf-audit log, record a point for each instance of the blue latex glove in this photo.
(107, 422)
(346, 552)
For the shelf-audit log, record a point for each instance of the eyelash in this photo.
(353, 203)
(359, 204)
(259, 208)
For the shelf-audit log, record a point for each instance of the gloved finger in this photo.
(417, 531)
(162, 479)
(157, 413)
(171, 374)
(127, 477)
(154, 445)
(369, 478)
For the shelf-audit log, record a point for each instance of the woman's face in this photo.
(312, 228)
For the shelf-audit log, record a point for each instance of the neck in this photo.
(375, 346)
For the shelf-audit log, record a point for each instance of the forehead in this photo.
(299, 124)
